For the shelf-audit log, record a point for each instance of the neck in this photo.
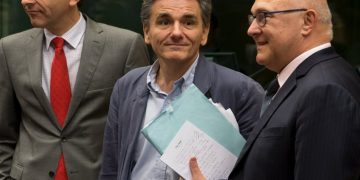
(65, 24)
(169, 72)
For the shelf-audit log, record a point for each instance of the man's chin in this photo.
(178, 56)
(35, 22)
(261, 60)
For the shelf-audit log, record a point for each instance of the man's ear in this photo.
(310, 19)
(205, 35)
(146, 34)
(73, 2)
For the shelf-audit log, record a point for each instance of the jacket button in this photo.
(63, 139)
(51, 174)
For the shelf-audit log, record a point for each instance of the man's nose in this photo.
(253, 29)
(27, 2)
(176, 30)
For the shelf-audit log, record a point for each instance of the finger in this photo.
(195, 170)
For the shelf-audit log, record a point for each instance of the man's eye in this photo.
(265, 14)
(189, 23)
(163, 22)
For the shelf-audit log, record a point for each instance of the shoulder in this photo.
(133, 77)
(335, 75)
(118, 31)
(112, 31)
(328, 82)
(229, 87)
(116, 39)
(130, 84)
(229, 78)
(19, 38)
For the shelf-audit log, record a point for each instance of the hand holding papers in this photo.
(205, 119)
(214, 160)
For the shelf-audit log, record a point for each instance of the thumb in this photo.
(195, 170)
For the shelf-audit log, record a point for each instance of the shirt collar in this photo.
(185, 81)
(73, 36)
(290, 68)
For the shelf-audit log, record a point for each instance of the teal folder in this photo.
(193, 106)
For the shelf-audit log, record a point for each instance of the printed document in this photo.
(214, 160)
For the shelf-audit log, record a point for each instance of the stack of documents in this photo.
(192, 126)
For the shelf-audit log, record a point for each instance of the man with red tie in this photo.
(56, 80)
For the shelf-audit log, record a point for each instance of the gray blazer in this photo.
(128, 104)
(31, 139)
(311, 130)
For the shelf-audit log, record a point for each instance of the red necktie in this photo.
(60, 94)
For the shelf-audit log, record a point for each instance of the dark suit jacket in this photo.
(311, 130)
(31, 139)
(128, 104)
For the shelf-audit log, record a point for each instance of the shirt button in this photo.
(51, 174)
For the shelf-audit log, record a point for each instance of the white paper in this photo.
(228, 114)
(214, 160)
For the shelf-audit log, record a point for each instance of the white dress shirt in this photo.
(73, 47)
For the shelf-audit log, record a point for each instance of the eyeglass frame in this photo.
(266, 14)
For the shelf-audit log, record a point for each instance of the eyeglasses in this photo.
(261, 16)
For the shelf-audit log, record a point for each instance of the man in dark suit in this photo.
(35, 141)
(311, 128)
(175, 29)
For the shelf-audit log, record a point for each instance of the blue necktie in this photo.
(270, 92)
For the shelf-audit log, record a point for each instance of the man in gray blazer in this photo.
(32, 140)
(175, 30)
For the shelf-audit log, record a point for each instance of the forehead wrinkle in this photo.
(187, 15)
(163, 15)
(175, 7)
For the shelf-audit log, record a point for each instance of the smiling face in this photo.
(176, 30)
(279, 41)
(53, 15)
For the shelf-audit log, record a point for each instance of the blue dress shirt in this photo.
(148, 164)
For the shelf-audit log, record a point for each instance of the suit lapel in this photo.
(34, 59)
(92, 49)
(284, 91)
(140, 102)
(203, 76)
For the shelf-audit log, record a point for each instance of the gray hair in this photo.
(205, 6)
(323, 10)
